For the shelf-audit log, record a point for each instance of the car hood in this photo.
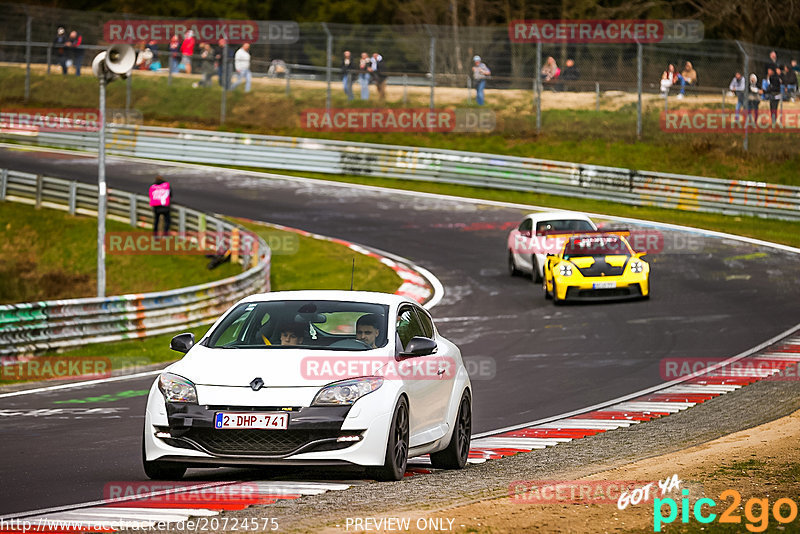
(277, 367)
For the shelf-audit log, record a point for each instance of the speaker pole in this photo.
(101, 194)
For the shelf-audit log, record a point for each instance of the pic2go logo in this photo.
(784, 511)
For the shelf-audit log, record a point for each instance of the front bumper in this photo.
(579, 288)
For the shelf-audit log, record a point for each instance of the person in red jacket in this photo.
(160, 200)
(187, 50)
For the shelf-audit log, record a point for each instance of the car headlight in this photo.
(176, 388)
(565, 269)
(346, 391)
(637, 267)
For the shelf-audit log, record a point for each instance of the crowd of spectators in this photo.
(779, 83)
(369, 71)
(68, 50)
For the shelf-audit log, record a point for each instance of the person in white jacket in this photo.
(241, 63)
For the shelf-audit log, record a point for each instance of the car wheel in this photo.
(156, 470)
(535, 270)
(394, 466)
(512, 265)
(457, 451)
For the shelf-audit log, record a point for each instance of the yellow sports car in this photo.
(596, 266)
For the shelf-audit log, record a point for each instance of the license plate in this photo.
(604, 285)
(251, 420)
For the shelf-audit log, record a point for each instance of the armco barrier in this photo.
(35, 327)
(643, 188)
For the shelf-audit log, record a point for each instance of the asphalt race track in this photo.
(712, 297)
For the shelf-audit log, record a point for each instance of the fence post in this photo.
(3, 184)
(182, 220)
(132, 209)
(128, 90)
(288, 83)
(747, 92)
(639, 90)
(73, 197)
(328, 66)
(223, 102)
(433, 64)
(39, 187)
(28, 57)
(538, 84)
(49, 57)
(723, 100)
(405, 89)
(469, 89)
(597, 96)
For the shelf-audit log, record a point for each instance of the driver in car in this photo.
(368, 329)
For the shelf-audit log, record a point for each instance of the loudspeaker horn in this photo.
(98, 64)
(120, 58)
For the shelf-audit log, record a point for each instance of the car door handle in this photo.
(441, 371)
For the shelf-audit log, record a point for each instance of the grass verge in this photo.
(298, 262)
(47, 254)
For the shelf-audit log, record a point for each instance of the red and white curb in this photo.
(418, 284)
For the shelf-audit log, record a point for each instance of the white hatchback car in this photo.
(311, 378)
(528, 244)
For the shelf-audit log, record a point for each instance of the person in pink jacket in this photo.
(160, 199)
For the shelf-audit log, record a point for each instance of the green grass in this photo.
(298, 262)
(48, 254)
(605, 137)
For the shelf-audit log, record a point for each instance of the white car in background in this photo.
(529, 244)
(312, 378)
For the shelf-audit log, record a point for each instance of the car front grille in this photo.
(256, 442)
(631, 291)
(601, 268)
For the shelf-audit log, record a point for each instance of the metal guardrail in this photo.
(35, 327)
(634, 187)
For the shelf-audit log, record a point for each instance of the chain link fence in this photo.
(430, 57)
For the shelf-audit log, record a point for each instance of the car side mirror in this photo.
(182, 342)
(419, 346)
(526, 233)
(640, 254)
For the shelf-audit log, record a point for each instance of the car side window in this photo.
(425, 321)
(408, 325)
(526, 225)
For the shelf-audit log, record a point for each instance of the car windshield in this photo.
(306, 324)
(563, 225)
(595, 246)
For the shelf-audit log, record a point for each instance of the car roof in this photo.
(330, 294)
(557, 215)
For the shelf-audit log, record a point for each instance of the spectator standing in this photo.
(174, 54)
(480, 72)
(242, 65)
(206, 65)
(74, 51)
(737, 87)
(58, 47)
(222, 63)
(753, 96)
(773, 61)
(377, 74)
(570, 72)
(773, 93)
(789, 83)
(347, 75)
(160, 194)
(187, 50)
(688, 76)
(550, 71)
(363, 75)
